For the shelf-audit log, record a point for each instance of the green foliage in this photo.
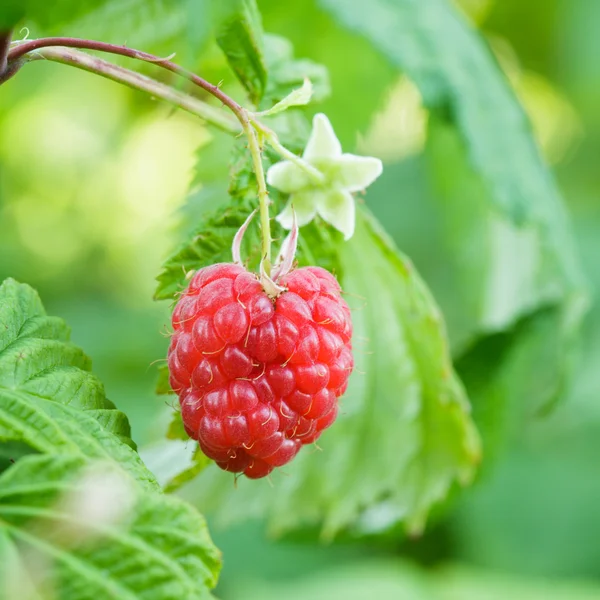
(181, 26)
(538, 504)
(504, 272)
(162, 383)
(503, 276)
(176, 430)
(287, 74)
(457, 76)
(237, 26)
(42, 374)
(404, 435)
(359, 79)
(51, 427)
(480, 216)
(58, 429)
(131, 544)
(45, 14)
(10, 452)
(297, 97)
(239, 35)
(10, 15)
(497, 218)
(199, 463)
(210, 243)
(395, 579)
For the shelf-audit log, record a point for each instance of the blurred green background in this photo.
(92, 175)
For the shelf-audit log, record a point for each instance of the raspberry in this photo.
(258, 378)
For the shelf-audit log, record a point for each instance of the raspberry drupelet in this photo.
(259, 377)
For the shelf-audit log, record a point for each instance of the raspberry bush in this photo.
(334, 343)
(261, 351)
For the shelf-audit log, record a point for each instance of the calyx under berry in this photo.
(283, 264)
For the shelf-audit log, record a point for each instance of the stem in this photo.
(137, 81)
(5, 37)
(26, 47)
(263, 194)
(286, 154)
(311, 171)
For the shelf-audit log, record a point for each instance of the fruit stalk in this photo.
(263, 194)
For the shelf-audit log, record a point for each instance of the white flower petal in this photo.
(323, 142)
(337, 208)
(287, 177)
(304, 205)
(357, 172)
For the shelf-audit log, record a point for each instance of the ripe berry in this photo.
(258, 377)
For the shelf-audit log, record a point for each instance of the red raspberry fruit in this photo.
(257, 377)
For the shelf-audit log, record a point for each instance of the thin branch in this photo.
(137, 81)
(24, 48)
(263, 195)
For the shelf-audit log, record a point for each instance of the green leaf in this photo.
(387, 579)
(404, 435)
(511, 285)
(85, 515)
(199, 462)
(287, 74)
(176, 429)
(163, 387)
(89, 531)
(298, 97)
(458, 77)
(37, 359)
(209, 244)
(501, 272)
(505, 303)
(48, 398)
(45, 14)
(12, 451)
(509, 303)
(210, 241)
(136, 21)
(508, 389)
(11, 14)
(50, 427)
(239, 35)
